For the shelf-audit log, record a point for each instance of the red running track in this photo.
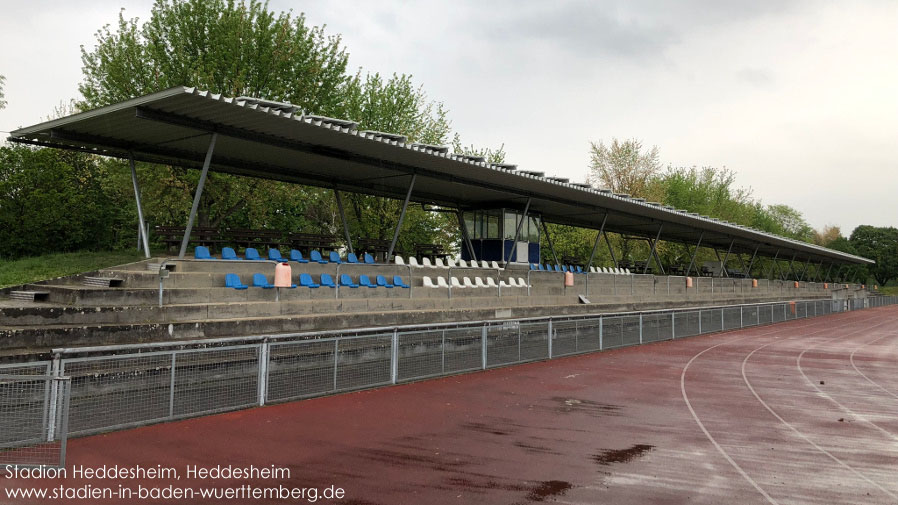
(799, 412)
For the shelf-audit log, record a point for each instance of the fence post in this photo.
(601, 328)
(483, 346)
(640, 328)
(66, 383)
(551, 330)
(171, 387)
(722, 321)
(394, 357)
(741, 316)
(673, 325)
(699, 322)
(336, 360)
(263, 372)
(54, 398)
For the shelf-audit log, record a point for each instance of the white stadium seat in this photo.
(467, 282)
(413, 261)
(441, 282)
(455, 283)
(428, 283)
(425, 262)
(399, 260)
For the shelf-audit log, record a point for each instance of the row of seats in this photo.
(251, 254)
(465, 282)
(577, 269)
(449, 263)
(306, 280)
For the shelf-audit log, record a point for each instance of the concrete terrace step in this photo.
(105, 282)
(31, 296)
(41, 338)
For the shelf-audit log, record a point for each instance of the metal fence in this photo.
(34, 407)
(124, 386)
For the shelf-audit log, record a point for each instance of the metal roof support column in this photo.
(791, 267)
(741, 261)
(465, 236)
(595, 246)
(549, 240)
(774, 265)
(343, 219)
(828, 270)
(408, 195)
(199, 194)
(727, 257)
(517, 232)
(817, 271)
(807, 267)
(143, 227)
(610, 249)
(694, 253)
(839, 272)
(751, 262)
(653, 254)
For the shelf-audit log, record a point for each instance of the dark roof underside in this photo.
(174, 127)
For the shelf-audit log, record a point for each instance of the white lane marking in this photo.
(833, 400)
(871, 381)
(798, 432)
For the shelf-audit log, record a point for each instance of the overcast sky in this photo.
(799, 98)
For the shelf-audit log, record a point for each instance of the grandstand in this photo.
(501, 272)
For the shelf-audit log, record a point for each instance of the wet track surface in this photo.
(799, 412)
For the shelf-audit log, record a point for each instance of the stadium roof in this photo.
(274, 140)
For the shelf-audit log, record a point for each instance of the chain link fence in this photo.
(87, 391)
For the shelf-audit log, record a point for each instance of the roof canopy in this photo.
(277, 141)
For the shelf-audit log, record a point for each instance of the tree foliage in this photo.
(623, 166)
(241, 48)
(879, 244)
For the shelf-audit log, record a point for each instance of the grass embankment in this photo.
(48, 266)
(889, 290)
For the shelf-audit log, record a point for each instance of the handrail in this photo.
(412, 327)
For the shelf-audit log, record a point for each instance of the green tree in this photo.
(623, 167)
(241, 48)
(879, 244)
(56, 201)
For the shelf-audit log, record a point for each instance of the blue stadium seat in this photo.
(397, 281)
(252, 254)
(369, 259)
(382, 281)
(346, 280)
(202, 253)
(335, 257)
(316, 257)
(352, 258)
(365, 281)
(305, 280)
(274, 254)
(533, 266)
(259, 281)
(328, 281)
(228, 253)
(580, 270)
(542, 267)
(233, 281)
(297, 256)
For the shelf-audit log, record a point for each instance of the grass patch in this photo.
(48, 266)
(889, 290)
